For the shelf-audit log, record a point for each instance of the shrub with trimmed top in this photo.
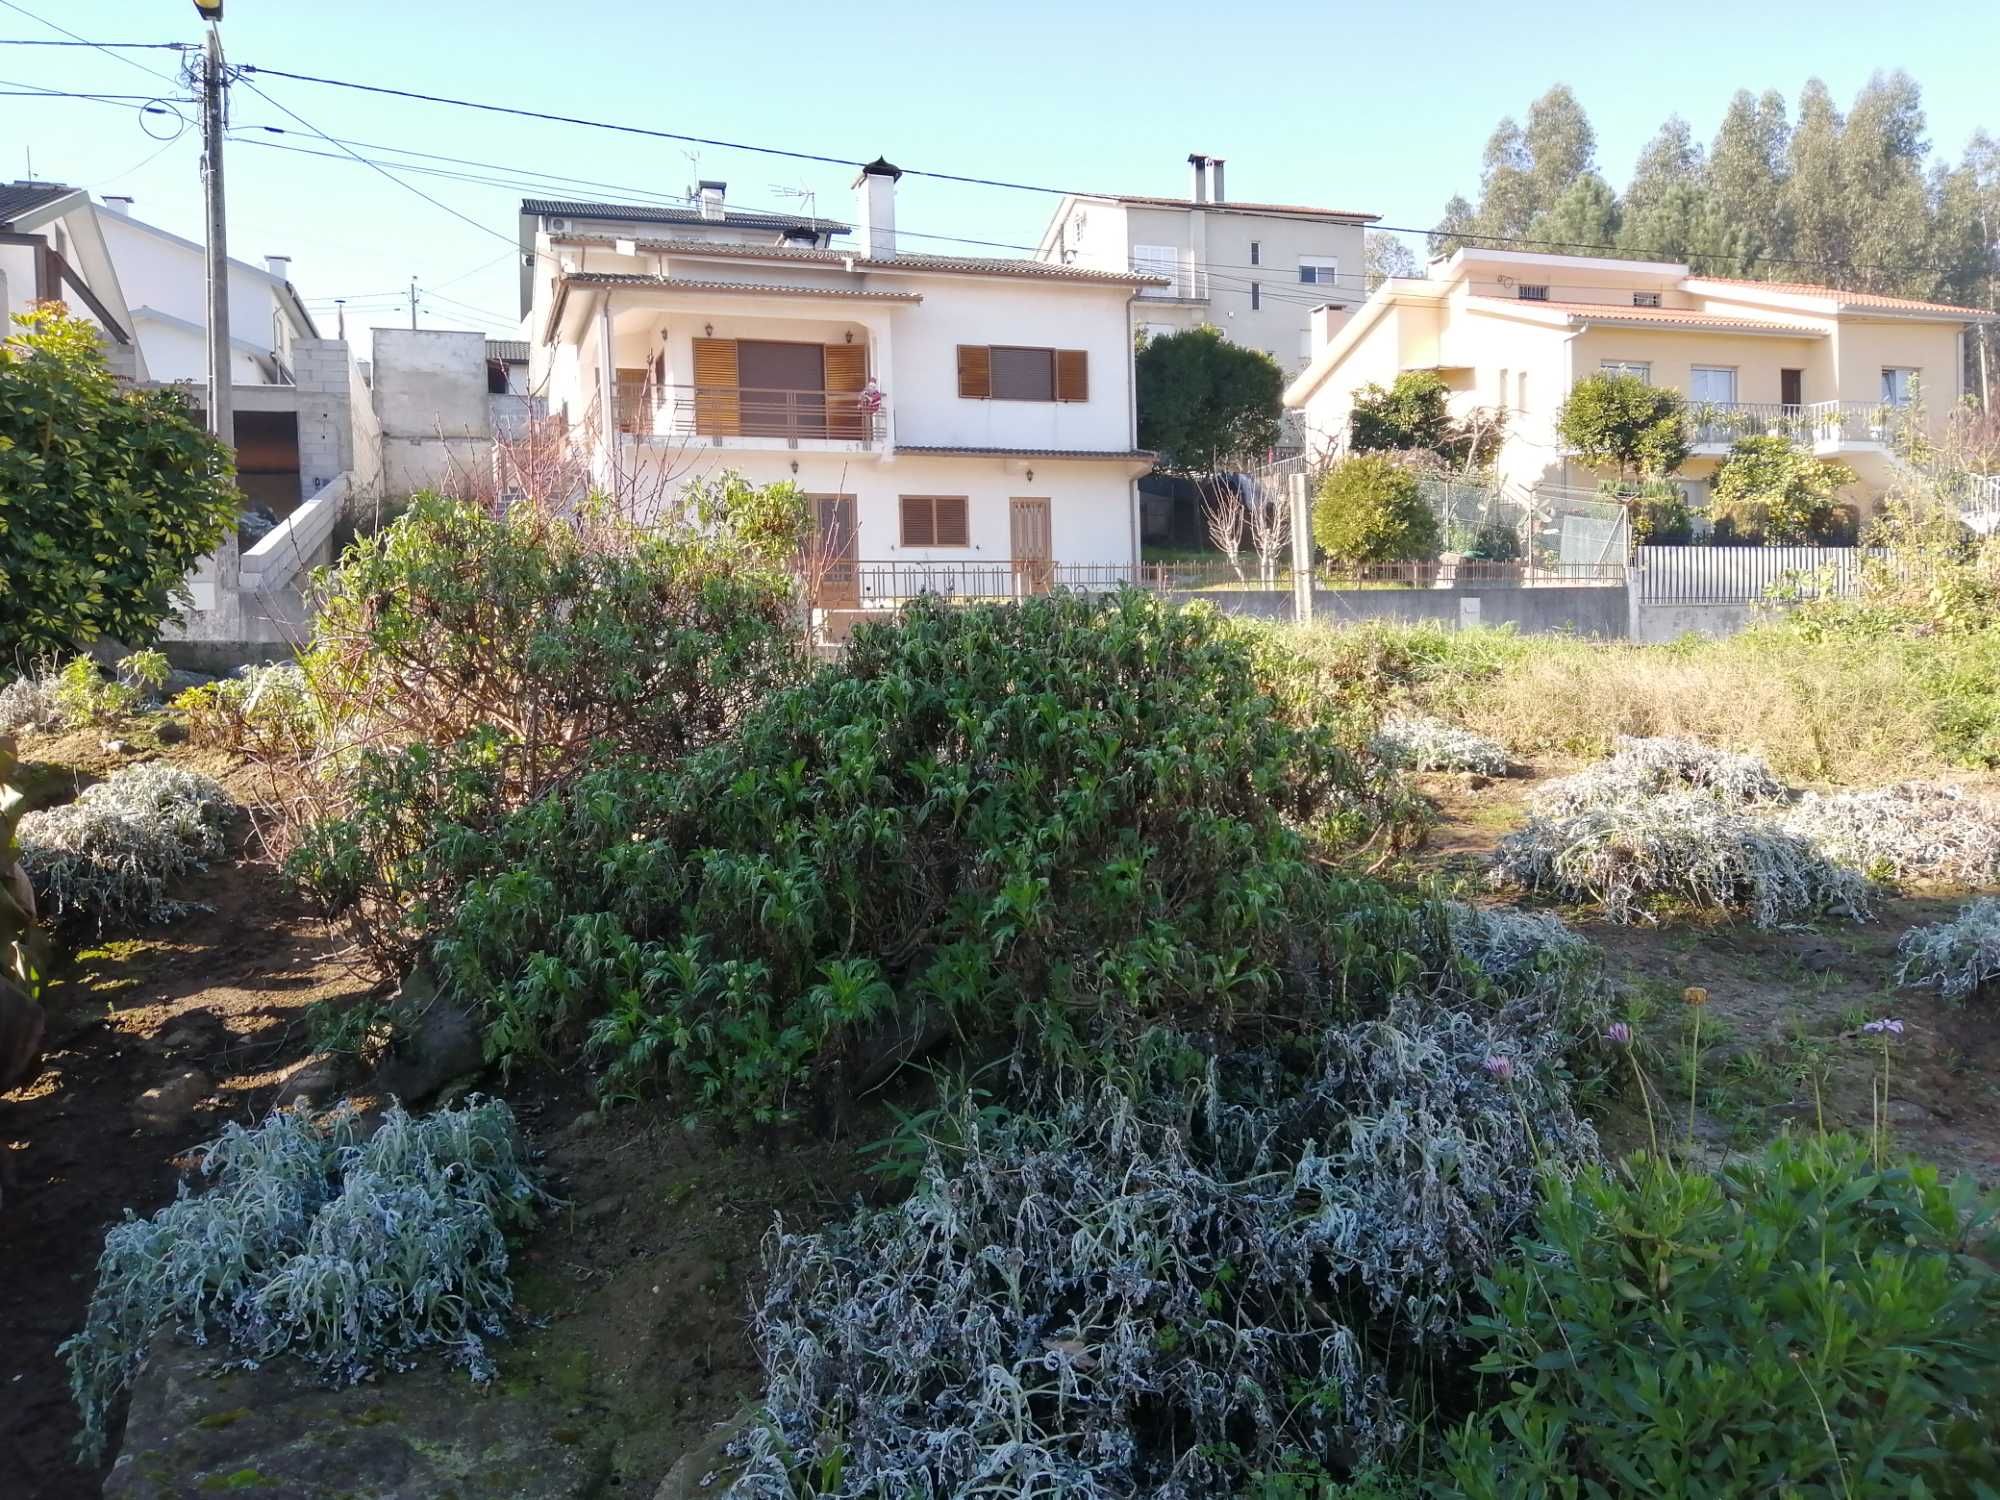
(1370, 509)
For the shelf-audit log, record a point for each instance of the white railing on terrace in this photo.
(1184, 282)
(731, 411)
(1720, 423)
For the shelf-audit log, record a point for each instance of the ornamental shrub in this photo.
(1651, 765)
(354, 1255)
(1620, 420)
(1417, 742)
(1370, 509)
(1060, 821)
(1770, 490)
(109, 494)
(1911, 830)
(1803, 1325)
(1958, 957)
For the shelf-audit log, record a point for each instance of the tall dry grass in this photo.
(1827, 710)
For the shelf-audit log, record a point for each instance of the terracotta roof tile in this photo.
(1607, 312)
(652, 213)
(1847, 298)
(759, 288)
(973, 265)
(1237, 206)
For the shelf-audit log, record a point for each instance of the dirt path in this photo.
(222, 994)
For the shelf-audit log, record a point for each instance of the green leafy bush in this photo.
(1620, 420)
(1804, 1325)
(109, 494)
(1370, 509)
(1771, 491)
(109, 856)
(1413, 415)
(1059, 819)
(355, 1255)
(267, 712)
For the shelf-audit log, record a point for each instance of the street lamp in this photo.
(208, 10)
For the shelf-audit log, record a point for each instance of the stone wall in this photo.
(1594, 611)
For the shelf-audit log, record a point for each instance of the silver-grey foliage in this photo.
(1684, 846)
(1655, 766)
(353, 1254)
(29, 702)
(110, 854)
(1114, 1297)
(1417, 742)
(1957, 957)
(1912, 830)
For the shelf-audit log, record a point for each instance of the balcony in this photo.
(1185, 282)
(1823, 426)
(751, 416)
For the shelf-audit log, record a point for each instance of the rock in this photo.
(166, 1108)
(435, 1042)
(278, 1431)
(170, 731)
(315, 1082)
(116, 746)
(707, 1469)
(199, 1033)
(24, 1026)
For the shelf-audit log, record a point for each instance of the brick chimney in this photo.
(875, 207)
(1200, 165)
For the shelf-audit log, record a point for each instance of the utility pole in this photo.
(413, 304)
(340, 316)
(220, 420)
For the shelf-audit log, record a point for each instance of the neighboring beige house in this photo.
(1838, 371)
(965, 425)
(1254, 270)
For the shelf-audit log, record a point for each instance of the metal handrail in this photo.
(1719, 422)
(685, 410)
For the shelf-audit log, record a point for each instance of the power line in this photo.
(107, 48)
(84, 42)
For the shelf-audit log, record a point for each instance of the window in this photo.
(1899, 385)
(1712, 384)
(935, 521)
(1008, 372)
(1158, 260)
(1256, 296)
(1638, 369)
(1645, 299)
(1319, 270)
(1256, 253)
(1532, 292)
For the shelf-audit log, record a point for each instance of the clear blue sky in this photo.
(1383, 109)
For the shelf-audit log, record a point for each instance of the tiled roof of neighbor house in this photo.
(508, 351)
(760, 288)
(1128, 454)
(970, 265)
(17, 198)
(1851, 299)
(1675, 317)
(1235, 206)
(641, 213)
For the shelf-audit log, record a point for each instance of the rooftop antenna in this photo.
(801, 194)
(693, 195)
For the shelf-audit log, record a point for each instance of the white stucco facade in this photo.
(618, 325)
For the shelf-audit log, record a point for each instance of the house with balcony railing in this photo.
(1850, 375)
(963, 425)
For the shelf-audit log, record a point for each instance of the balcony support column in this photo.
(881, 367)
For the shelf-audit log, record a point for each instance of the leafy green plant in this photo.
(84, 695)
(1803, 1324)
(1206, 404)
(1370, 509)
(267, 712)
(1619, 420)
(354, 1255)
(1413, 415)
(109, 494)
(1768, 489)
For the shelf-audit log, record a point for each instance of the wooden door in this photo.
(1028, 533)
(718, 394)
(1792, 387)
(846, 376)
(839, 551)
(784, 388)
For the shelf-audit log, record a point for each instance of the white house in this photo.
(1253, 270)
(53, 249)
(165, 282)
(965, 425)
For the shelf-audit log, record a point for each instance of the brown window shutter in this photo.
(846, 368)
(975, 372)
(919, 521)
(949, 522)
(718, 402)
(1072, 374)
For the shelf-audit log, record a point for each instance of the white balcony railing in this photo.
(1717, 424)
(1185, 281)
(735, 411)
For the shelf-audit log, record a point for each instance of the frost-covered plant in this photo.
(1651, 767)
(353, 1255)
(108, 856)
(1534, 956)
(28, 702)
(1113, 1297)
(1912, 830)
(1418, 742)
(1684, 846)
(1956, 957)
